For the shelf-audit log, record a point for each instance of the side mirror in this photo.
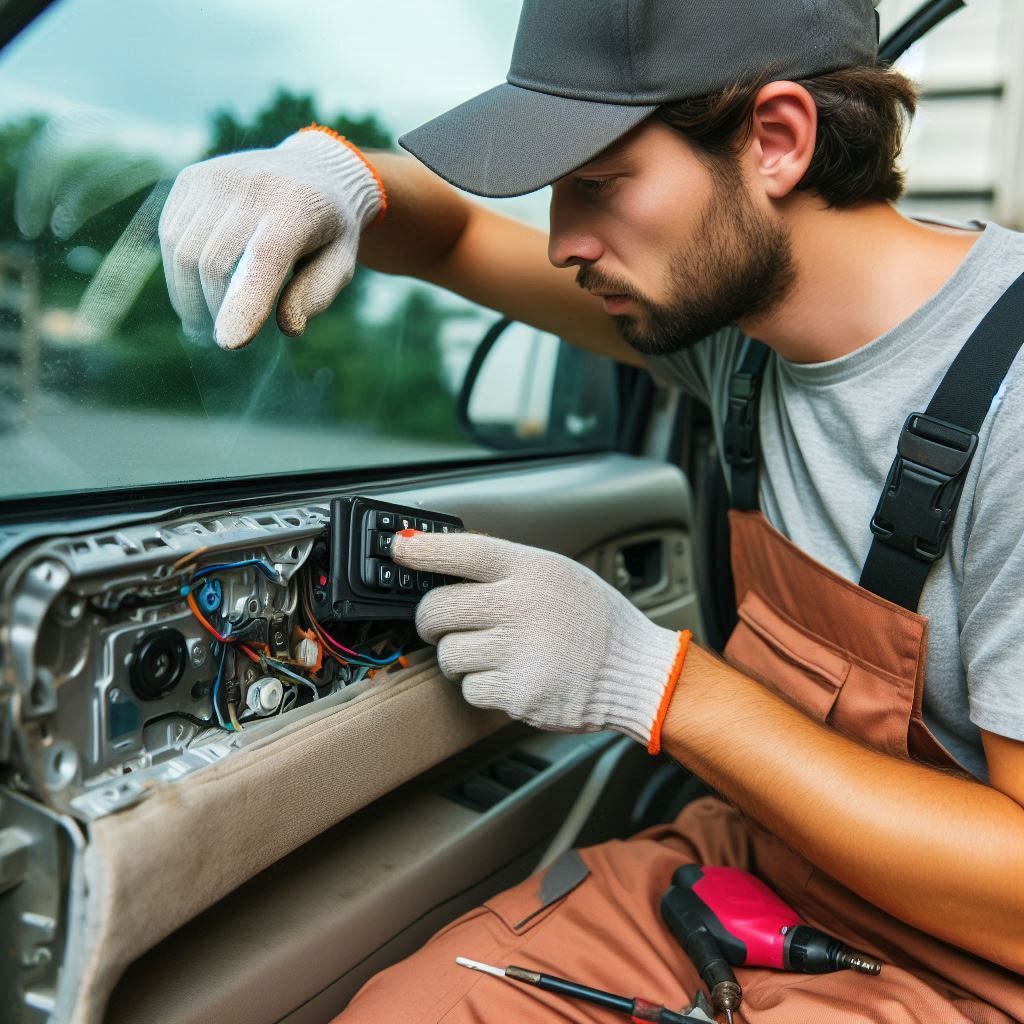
(527, 390)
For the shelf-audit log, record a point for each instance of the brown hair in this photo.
(862, 113)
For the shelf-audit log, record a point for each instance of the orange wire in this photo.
(223, 639)
(319, 632)
(199, 615)
(323, 643)
(189, 556)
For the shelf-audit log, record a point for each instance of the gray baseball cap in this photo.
(585, 72)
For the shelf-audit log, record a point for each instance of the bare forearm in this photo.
(943, 853)
(424, 219)
(433, 232)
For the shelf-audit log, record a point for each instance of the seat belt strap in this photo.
(740, 433)
(915, 512)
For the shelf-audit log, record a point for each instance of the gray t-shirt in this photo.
(828, 437)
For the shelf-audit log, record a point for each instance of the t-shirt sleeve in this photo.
(992, 597)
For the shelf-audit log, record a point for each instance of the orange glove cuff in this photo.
(314, 127)
(654, 747)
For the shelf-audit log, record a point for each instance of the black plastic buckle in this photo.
(922, 491)
(740, 431)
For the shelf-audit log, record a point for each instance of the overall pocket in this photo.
(786, 657)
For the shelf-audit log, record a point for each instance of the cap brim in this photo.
(509, 141)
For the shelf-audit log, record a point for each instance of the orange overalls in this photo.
(841, 653)
(848, 658)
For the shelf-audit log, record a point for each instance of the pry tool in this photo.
(641, 1011)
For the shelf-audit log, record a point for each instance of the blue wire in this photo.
(307, 682)
(272, 574)
(367, 661)
(216, 687)
(361, 660)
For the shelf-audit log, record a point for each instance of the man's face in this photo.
(677, 248)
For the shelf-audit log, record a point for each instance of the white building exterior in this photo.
(965, 152)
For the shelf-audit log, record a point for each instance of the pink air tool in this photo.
(750, 926)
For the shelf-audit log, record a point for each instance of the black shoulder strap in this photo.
(742, 450)
(912, 522)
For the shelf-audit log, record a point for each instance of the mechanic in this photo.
(719, 172)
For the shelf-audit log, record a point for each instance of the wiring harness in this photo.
(301, 678)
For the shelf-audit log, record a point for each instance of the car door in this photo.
(181, 525)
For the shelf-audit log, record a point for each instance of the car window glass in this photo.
(101, 103)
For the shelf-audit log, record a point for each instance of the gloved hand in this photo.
(235, 225)
(543, 638)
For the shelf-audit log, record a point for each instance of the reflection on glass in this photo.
(536, 392)
(512, 395)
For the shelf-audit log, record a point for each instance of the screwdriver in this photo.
(638, 1009)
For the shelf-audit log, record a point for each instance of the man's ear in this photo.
(783, 134)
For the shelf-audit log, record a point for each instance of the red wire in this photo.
(223, 639)
(199, 615)
(318, 626)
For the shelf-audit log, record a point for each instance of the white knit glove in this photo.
(543, 638)
(235, 225)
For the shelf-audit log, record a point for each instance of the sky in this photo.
(145, 77)
(161, 68)
(157, 69)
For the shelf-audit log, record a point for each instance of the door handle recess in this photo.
(641, 566)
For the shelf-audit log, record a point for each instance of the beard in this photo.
(738, 265)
